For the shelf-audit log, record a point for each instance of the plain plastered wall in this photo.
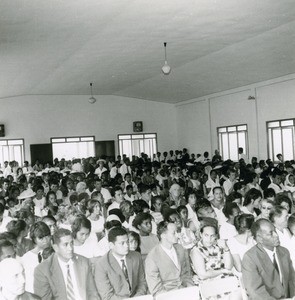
(198, 119)
(274, 101)
(193, 126)
(38, 118)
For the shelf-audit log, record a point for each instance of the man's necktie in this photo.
(70, 288)
(40, 257)
(275, 263)
(125, 271)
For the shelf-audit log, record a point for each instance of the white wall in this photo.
(275, 99)
(38, 118)
(191, 124)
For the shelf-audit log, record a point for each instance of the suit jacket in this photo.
(49, 281)
(161, 273)
(111, 282)
(260, 277)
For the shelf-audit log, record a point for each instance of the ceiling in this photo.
(58, 47)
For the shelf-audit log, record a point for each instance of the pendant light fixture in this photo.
(91, 99)
(166, 68)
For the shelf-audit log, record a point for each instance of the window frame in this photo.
(269, 129)
(73, 137)
(23, 154)
(136, 134)
(246, 148)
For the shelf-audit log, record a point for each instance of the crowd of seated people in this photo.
(100, 228)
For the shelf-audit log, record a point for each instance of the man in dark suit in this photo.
(64, 275)
(167, 265)
(119, 273)
(267, 268)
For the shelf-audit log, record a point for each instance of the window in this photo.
(230, 139)
(12, 150)
(73, 147)
(281, 139)
(134, 144)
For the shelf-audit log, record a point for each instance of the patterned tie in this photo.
(124, 269)
(70, 288)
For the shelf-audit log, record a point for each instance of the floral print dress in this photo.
(213, 258)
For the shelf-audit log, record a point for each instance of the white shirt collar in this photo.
(64, 264)
(119, 259)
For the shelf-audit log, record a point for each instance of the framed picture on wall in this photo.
(137, 126)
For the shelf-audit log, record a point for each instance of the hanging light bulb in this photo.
(166, 68)
(91, 99)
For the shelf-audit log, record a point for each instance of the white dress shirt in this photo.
(172, 254)
(64, 268)
(119, 260)
(271, 255)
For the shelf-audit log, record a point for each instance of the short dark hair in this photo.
(115, 189)
(276, 172)
(161, 228)
(213, 171)
(139, 218)
(127, 174)
(143, 188)
(39, 187)
(180, 208)
(217, 188)
(96, 179)
(204, 203)
(39, 230)
(276, 212)
(53, 181)
(238, 185)
(228, 208)
(80, 222)
(74, 198)
(252, 194)
(233, 196)
(9, 236)
(243, 222)
(255, 228)
(4, 244)
(209, 222)
(129, 187)
(110, 224)
(16, 227)
(139, 205)
(118, 213)
(269, 192)
(61, 232)
(168, 213)
(283, 198)
(115, 232)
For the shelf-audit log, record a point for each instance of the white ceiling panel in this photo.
(58, 47)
